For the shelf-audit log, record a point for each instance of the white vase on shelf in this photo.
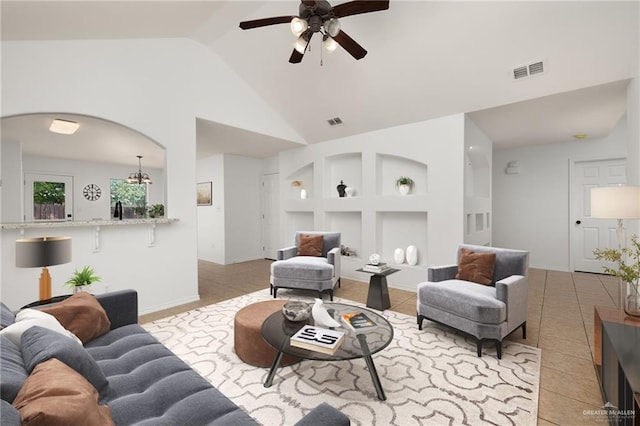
(303, 194)
(412, 255)
(349, 190)
(398, 255)
(404, 189)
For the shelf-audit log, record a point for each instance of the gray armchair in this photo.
(487, 312)
(318, 273)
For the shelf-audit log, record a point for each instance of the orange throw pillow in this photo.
(310, 245)
(54, 394)
(82, 315)
(476, 267)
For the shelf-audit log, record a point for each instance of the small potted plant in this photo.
(156, 210)
(404, 184)
(627, 260)
(81, 280)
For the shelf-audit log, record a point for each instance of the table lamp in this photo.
(43, 252)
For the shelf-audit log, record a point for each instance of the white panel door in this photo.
(48, 197)
(270, 215)
(588, 233)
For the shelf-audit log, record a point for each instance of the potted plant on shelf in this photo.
(81, 280)
(627, 260)
(404, 184)
(299, 184)
(156, 210)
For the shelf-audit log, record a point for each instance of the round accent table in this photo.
(248, 342)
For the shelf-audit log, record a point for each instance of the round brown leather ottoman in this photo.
(248, 342)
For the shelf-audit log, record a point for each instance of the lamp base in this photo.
(45, 284)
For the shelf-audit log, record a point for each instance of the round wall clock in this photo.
(92, 192)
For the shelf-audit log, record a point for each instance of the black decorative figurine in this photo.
(117, 212)
(341, 189)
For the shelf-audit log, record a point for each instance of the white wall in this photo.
(211, 219)
(378, 219)
(477, 185)
(531, 209)
(243, 232)
(12, 187)
(158, 88)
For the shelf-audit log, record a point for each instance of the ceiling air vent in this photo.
(334, 121)
(528, 70)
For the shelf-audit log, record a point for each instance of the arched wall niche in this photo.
(100, 150)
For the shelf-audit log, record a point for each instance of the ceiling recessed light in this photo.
(64, 127)
(580, 136)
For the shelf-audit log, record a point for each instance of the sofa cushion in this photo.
(40, 345)
(12, 371)
(27, 318)
(148, 384)
(476, 267)
(83, 315)
(310, 245)
(55, 394)
(8, 414)
(7, 317)
(303, 268)
(465, 299)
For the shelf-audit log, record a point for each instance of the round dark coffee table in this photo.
(277, 331)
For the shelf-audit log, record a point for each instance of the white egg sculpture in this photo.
(412, 255)
(398, 255)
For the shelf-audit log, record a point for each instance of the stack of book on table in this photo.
(317, 339)
(357, 321)
(380, 267)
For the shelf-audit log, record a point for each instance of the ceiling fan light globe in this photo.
(332, 27)
(298, 26)
(329, 44)
(300, 45)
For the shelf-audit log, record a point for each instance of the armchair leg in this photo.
(524, 330)
(420, 319)
(339, 283)
(499, 348)
(479, 348)
(275, 290)
(270, 288)
(330, 295)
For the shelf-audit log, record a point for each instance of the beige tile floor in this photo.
(560, 322)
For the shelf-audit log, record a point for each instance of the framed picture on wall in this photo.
(205, 197)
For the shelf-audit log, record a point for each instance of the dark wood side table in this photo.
(378, 296)
(617, 358)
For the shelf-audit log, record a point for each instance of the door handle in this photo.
(578, 222)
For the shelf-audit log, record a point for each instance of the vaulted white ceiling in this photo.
(425, 59)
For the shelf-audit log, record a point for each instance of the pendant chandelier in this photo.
(139, 177)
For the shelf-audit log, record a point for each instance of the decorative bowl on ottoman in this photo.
(296, 311)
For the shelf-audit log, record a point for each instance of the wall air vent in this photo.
(530, 70)
(334, 121)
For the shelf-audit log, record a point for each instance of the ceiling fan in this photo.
(318, 16)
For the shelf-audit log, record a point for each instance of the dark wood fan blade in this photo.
(296, 57)
(357, 7)
(350, 45)
(247, 25)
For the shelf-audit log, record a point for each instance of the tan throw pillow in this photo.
(54, 394)
(82, 315)
(476, 267)
(310, 245)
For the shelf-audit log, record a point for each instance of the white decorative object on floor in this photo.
(375, 259)
(398, 255)
(412, 255)
(321, 317)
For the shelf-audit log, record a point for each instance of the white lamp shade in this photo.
(615, 202)
(298, 26)
(39, 252)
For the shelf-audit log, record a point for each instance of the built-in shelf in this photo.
(345, 168)
(400, 230)
(305, 176)
(349, 224)
(390, 167)
(297, 221)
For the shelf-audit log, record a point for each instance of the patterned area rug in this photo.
(430, 377)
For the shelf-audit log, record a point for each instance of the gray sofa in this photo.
(147, 383)
(487, 312)
(316, 273)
